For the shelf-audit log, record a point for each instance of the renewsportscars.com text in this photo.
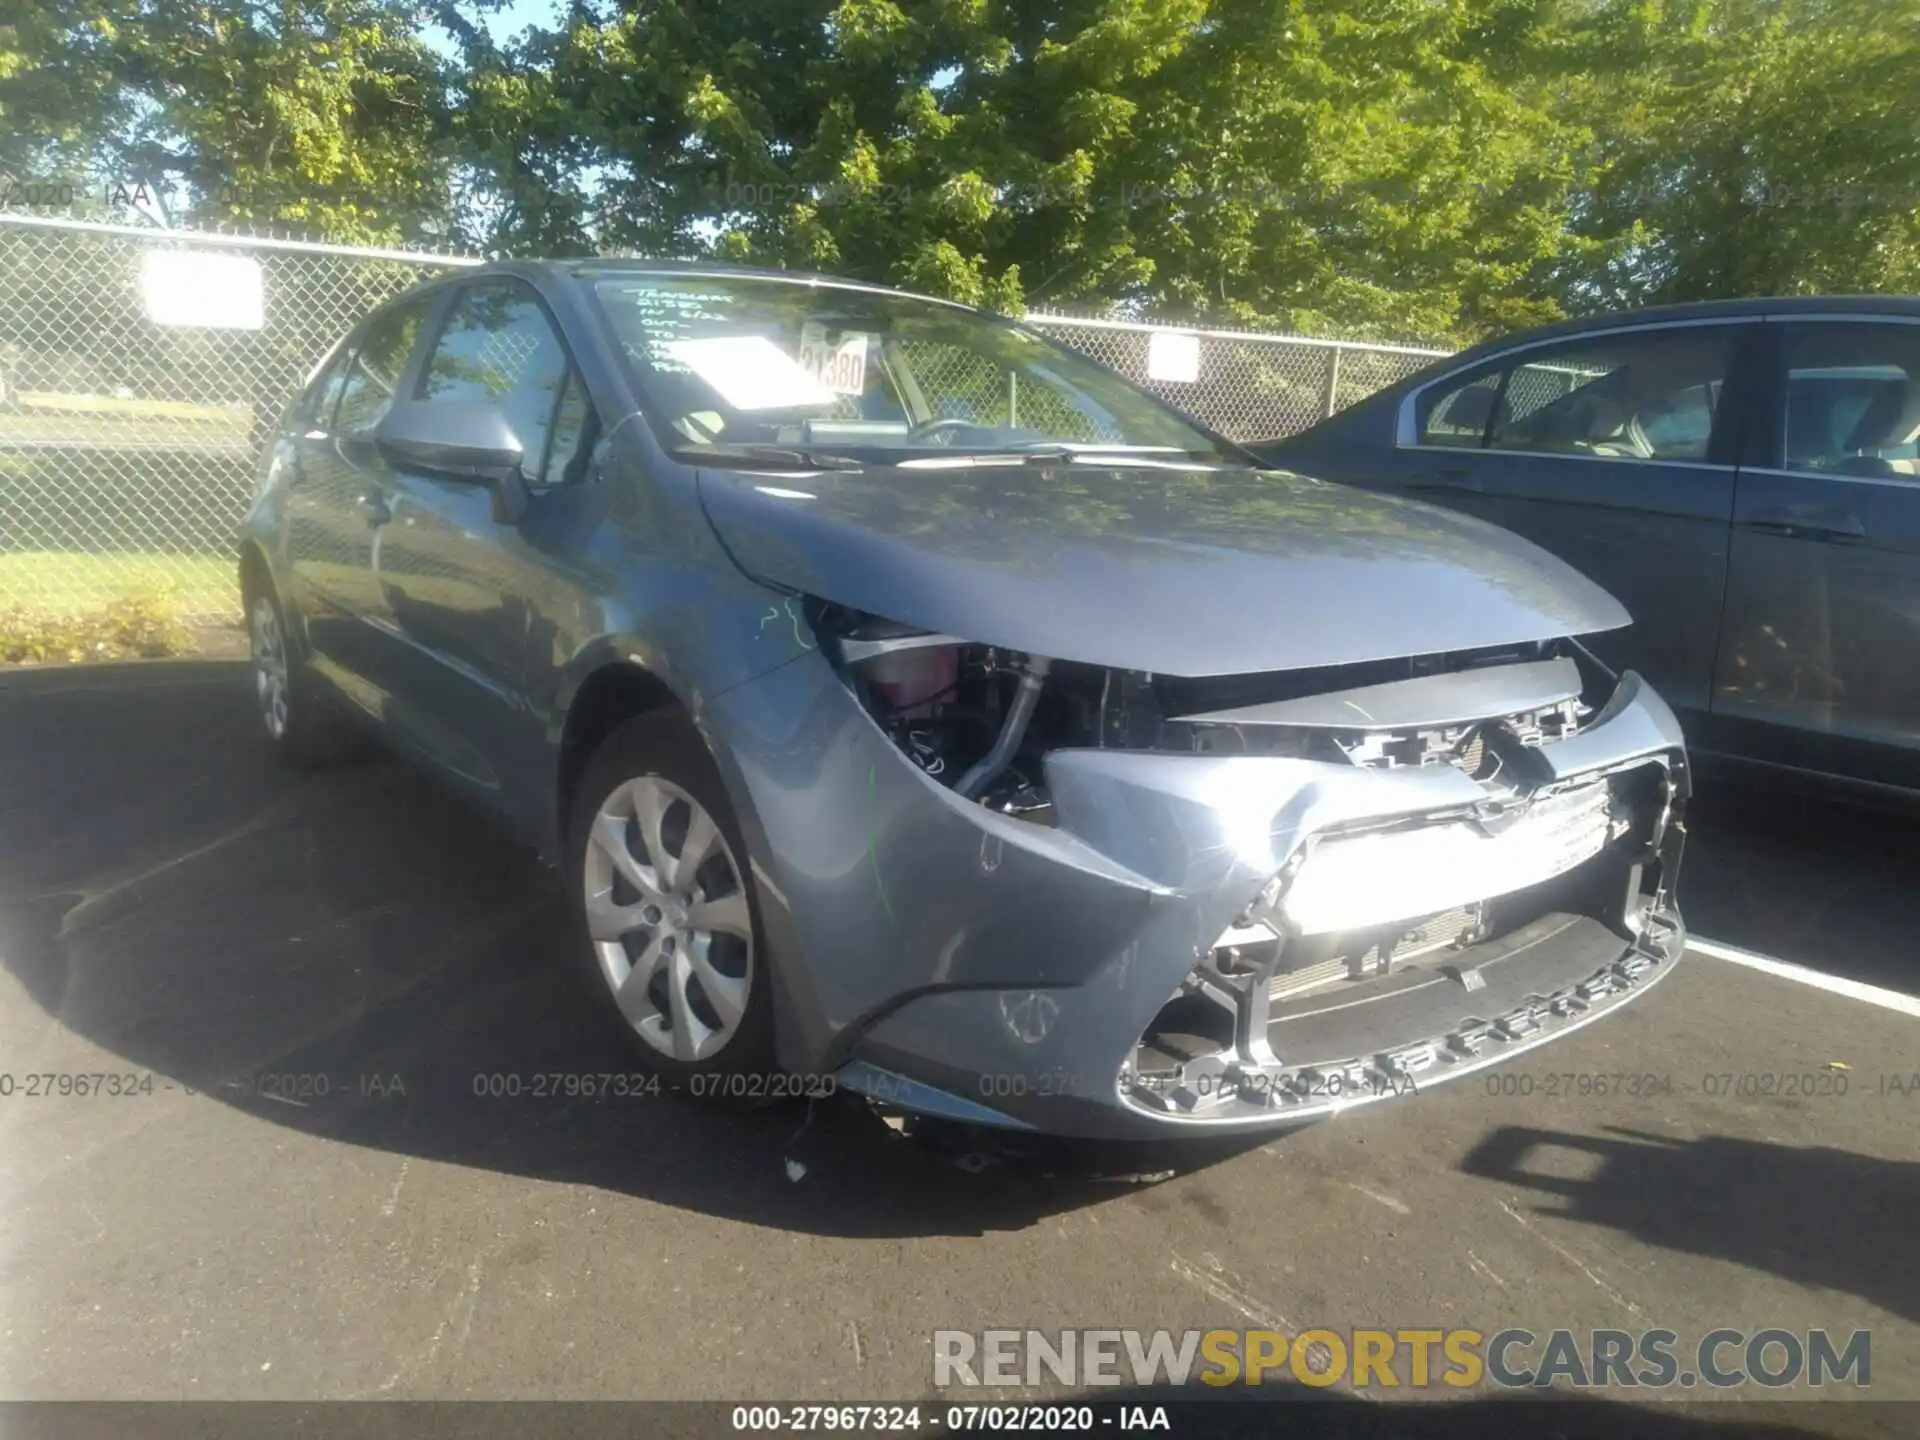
(1510, 1358)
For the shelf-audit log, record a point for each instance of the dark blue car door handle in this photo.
(373, 505)
(1806, 523)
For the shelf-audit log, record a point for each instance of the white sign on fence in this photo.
(190, 287)
(1173, 355)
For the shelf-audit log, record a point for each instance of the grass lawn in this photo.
(107, 422)
(114, 405)
(73, 583)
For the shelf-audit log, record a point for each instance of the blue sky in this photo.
(502, 24)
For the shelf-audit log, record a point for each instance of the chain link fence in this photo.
(127, 446)
(1246, 385)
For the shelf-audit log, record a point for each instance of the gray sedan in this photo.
(1742, 474)
(916, 708)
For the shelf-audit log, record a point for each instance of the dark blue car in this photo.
(1743, 475)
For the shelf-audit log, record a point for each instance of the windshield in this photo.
(728, 362)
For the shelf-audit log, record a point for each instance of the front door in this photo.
(464, 588)
(1614, 451)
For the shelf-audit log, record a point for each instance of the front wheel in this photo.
(673, 948)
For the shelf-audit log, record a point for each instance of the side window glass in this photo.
(1646, 396)
(499, 349)
(1459, 416)
(572, 426)
(316, 406)
(1681, 427)
(1853, 400)
(374, 370)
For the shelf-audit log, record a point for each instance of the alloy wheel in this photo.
(666, 908)
(270, 667)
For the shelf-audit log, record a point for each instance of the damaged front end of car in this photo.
(1361, 878)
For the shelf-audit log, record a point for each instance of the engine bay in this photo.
(981, 719)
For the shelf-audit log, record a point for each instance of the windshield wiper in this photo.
(1052, 452)
(775, 457)
(755, 455)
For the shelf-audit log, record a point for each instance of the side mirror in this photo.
(458, 441)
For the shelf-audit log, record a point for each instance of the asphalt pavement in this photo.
(375, 1224)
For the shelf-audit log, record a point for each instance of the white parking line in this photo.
(1820, 980)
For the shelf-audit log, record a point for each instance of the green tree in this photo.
(59, 91)
(1435, 169)
(1745, 147)
(327, 115)
(1321, 163)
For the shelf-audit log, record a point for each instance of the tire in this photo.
(692, 1003)
(302, 722)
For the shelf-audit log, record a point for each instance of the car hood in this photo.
(1173, 571)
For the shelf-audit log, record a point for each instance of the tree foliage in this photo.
(1749, 147)
(325, 115)
(1402, 168)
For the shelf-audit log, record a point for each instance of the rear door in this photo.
(1820, 665)
(301, 453)
(1616, 451)
(335, 505)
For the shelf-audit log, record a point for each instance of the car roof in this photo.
(1703, 310)
(596, 266)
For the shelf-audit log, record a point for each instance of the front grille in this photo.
(1437, 932)
(1464, 745)
(1474, 754)
(1378, 957)
(1377, 878)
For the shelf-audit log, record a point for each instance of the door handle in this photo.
(373, 505)
(1807, 524)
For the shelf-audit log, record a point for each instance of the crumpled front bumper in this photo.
(946, 958)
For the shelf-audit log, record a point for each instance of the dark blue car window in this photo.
(1853, 399)
(1459, 416)
(1648, 395)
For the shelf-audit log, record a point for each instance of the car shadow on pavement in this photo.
(173, 896)
(1812, 1215)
